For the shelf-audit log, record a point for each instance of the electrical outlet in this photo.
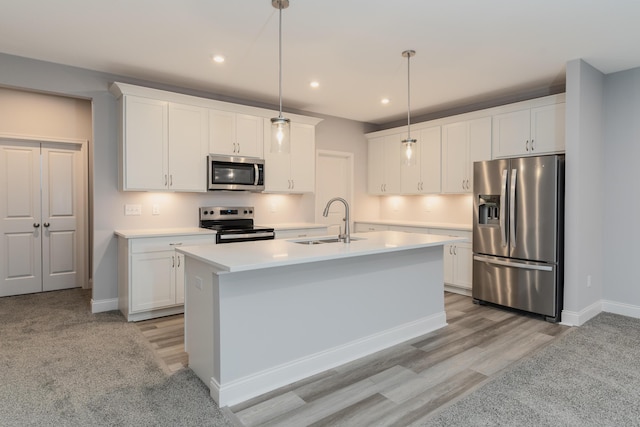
(155, 209)
(588, 280)
(130, 210)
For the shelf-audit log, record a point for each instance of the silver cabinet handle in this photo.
(526, 145)
(178, 261)
(293, 184)
(36, 225)
(171, 180)
(450, 250)
(165, 179)
(175, 244)
(238, 148)
(173, 262)
(532, 145)
(455, 250)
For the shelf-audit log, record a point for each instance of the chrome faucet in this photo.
(346, 237)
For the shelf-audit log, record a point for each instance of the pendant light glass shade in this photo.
(280, 126)
(409, 144)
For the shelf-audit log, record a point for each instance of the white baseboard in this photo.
(98, 306)
(577, 318)
(254, 385)
(621, 308)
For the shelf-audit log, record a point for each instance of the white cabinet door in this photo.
(479, 135)
(529, 132)
(235, 134)
(385, 165)
(548, 129)
(455, 158)
(188, 146)
(458, 266)
(303, 162)
(153, 279)
(292, 172)
(462, 144)
(249, 135)
(145, 142)
(375, 164)
(424, 176)
(222, 132)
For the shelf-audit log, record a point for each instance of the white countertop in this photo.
(444, 225)
(245, 256)
(163, 232)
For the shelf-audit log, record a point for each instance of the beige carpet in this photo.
(61, 365)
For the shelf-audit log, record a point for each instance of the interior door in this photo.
(60, 212)
(334, 179)
(20, 219)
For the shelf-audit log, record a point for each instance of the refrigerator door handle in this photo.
(513, 264)
(503, 199)
(512, 208)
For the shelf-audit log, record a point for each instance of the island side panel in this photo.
(201, 321)
(278, 325)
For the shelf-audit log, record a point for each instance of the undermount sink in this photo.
(323, 240)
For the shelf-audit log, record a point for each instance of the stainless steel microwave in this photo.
(235, 173)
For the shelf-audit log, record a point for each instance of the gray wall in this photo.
(177, 210)
(621, 201)
(584, 187)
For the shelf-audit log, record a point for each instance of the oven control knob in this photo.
(206, 212)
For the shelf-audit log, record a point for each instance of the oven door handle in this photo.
(245, 235)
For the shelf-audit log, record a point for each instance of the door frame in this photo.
(349, 156)
(84, 232)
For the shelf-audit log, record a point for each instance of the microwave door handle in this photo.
(503, 199)
(512, 208)
(257, 174)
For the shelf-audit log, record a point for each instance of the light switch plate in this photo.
(155, 209)
(130, 210)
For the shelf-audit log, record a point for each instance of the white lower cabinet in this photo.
(151, 275)
(458, 268)
(301, 232)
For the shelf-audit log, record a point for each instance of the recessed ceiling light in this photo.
(385, 101)
(314, 84)
(219, 59)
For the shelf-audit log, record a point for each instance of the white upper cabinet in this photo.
(163, 146)
(235, 134)
(463, 143)
(424, 176)
(384, 160)
(144, 144)
(292, 172)
(187, 148)
(528, 132)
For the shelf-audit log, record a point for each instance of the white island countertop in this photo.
(246, 256)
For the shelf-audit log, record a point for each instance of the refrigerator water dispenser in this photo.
(489, 209)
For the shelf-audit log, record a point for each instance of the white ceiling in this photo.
(468, 51)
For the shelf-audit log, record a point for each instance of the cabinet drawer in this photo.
(450, 232)
(363, 227)
(301, 232)
(156, 244)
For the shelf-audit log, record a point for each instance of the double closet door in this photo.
(41, 217)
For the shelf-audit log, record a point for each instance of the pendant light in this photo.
(409, 158)
(280, 126)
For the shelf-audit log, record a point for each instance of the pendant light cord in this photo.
(409, 96)
(280, 59)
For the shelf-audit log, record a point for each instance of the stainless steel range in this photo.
(233, 224)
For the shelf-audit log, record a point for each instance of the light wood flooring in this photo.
(399, 386)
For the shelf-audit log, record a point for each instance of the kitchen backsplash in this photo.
(448, 208)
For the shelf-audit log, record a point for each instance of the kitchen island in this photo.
(263, 314)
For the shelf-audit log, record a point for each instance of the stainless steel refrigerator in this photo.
(518, 233)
